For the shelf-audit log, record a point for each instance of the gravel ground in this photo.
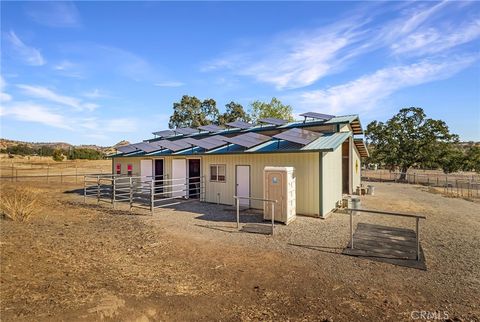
(218, 273)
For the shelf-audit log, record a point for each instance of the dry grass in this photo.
(19, 204)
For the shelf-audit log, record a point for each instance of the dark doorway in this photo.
(194, 178)
(345, 167)
(159, 176)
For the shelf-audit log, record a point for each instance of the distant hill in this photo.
(5, 143)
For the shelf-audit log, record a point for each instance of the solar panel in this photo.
(207, 143)
(185, 130)
(240, 125)
(173, 145)
(248, 140)
(273, 121)
(164, 133)
(147, 147)
(320, 116)
(211, 128)
(127, 148)
(298, 136)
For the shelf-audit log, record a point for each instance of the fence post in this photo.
(273, 217)
(113, 191)
(98, 189)
(84, 190)
(152, 196)
(418, 239)
(238, 212)
(351, 229)
(76, 172)
(131, 193)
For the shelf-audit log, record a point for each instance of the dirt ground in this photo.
(87, 262)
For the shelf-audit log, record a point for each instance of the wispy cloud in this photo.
(49, 95)
(368, 91)
(31, 112)
(69, 69)
(96, 93)
(169, 84)
(101, 59)
(29, 55)
(432, 40)
(4, 97)
(54, 13)
(300, 58)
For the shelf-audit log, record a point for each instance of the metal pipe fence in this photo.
(388, 213)
(237, 201)
(452, 184)
(147, 192)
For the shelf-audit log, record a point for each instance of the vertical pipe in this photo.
(152, 196)
(218, 198)
(98, 189)
(418, 240)
(273, 217)
(131, 193)
(238, 212)
(113, 191)
(351, 229)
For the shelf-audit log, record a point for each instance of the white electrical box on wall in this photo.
(279, 184)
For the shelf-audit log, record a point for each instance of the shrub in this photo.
(19, 204)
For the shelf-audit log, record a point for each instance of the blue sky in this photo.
(100, 72)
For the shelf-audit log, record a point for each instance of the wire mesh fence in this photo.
(461, 185)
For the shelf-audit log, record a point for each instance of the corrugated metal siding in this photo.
(332, 180)
(306, 171)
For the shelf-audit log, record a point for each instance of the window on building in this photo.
(129, 169)
(218, 172)
(119, 168)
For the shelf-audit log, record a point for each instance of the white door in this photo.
(146, 171)
(243, 184)
(179, 177)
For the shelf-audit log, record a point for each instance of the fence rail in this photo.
(147, 192)
(452, 184)
(273, 202)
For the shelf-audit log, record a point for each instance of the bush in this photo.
(19, 204)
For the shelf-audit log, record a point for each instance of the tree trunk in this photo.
(403, 173)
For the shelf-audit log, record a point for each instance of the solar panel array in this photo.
(185, 130)
(240, 125)
(297, 135)
(126, 148)
(164, 133)
(248, 140)
(147, 147)
(319, 116)
(273, 121)
(211, 128)
(174, 145)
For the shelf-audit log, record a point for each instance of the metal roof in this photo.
(327, 142)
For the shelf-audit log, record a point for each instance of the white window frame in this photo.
(218, 167)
